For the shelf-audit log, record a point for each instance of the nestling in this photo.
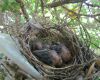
(49, 57)
(62, 51)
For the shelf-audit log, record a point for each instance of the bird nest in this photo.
(79, 67)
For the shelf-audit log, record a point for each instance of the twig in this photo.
(97, 19)
(23, 9)
(62, 2)
(92, 5)
(78, 15)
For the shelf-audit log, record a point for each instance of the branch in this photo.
(62, 2)
(79, 15)
(87, 15)
(23, 9)
(92, 5)
(97, 19)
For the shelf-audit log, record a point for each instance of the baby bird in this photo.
(49, 57)
(65, 54)
(57, 61)
(62, 51)
(36, 45)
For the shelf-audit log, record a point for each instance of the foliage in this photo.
(10, 5)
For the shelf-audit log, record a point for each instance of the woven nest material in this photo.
(82, 55)
(80, 66)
